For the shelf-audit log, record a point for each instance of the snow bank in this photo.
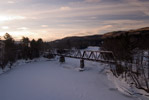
(125, 88)
(21, 62)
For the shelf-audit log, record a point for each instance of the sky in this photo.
(55, 19)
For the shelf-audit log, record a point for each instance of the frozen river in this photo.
(50, 80)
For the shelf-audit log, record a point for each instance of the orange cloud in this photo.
(65, 8)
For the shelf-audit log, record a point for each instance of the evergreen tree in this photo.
(10, 49)
(40, 45)
(25, 47)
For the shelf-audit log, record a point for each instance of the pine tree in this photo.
(10, 49)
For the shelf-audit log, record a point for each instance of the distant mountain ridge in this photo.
(144, 30)
(94, 40)
(137, 39)
(79, 42)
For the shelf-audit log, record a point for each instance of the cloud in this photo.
(44, 26)
(4, 18)
(96, 10)
(11, 2)
(55, 20)
(92, 1)
(22, 28)
(5, 27)
(119, 25)
(65, 8)
(92, 31)
(143, 6)
(99, 30)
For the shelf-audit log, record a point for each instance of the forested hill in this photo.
(137, 36)
(132, 39)
(77, 42)
(140, 31)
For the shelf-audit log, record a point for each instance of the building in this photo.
(2, 50)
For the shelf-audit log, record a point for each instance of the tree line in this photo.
(77, 42)
(131, 51)
(23, 49)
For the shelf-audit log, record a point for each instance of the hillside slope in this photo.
(144, 31)
(77, 42)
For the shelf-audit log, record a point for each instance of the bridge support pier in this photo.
(62, 59)
(82, 64)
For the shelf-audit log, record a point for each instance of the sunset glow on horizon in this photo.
(55, 19)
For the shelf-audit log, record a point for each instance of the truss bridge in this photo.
(98, 56)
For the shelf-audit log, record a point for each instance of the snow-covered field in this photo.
(46, 79)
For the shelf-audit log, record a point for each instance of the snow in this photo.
(51, 80)
(93, 48)
(20, 62)
(44, 79)
(125, 88)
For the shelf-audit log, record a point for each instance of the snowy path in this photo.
(48, 80)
